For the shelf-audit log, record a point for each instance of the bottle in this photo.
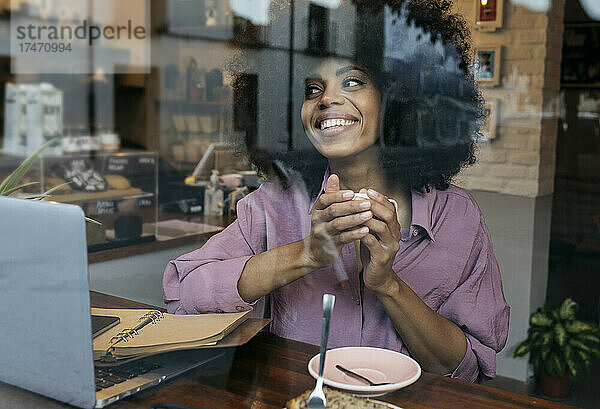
(191, 80)
(211, 13)
(213, 196)
(109, 140)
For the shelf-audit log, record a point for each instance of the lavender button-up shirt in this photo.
(447, 260)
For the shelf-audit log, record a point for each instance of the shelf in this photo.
(578, 85)
(112, 194)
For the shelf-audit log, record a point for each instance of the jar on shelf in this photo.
(109, 140)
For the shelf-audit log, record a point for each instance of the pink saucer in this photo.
(377, 364)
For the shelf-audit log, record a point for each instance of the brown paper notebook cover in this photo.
(239, 336)
(170, 333)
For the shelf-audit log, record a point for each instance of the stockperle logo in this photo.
(80, 36)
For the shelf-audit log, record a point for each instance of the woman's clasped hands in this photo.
(338, 220)
(378, 248)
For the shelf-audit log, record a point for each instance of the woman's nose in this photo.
(330, 97)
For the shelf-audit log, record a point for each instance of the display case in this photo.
(116, 190)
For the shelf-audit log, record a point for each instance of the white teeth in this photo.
(330, 123)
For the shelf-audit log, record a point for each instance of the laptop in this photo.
(45, 325)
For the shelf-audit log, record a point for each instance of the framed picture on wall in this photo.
(488, 14)
(491, 119)
(487, 65)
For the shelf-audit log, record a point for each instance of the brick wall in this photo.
(520, 160)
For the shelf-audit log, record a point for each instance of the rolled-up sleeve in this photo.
(478, 307)
(205, 280)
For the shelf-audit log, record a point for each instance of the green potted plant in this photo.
(12, 183)
(560, 347)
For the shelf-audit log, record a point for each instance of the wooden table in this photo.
(269, 370)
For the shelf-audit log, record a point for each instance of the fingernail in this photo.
(348, 195)
(364, 230)
(365, 205)
(373, 193)
(365, 215)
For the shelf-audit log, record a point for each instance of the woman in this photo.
(412, 264)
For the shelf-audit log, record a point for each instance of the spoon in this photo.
(316, 400)
(362, 378)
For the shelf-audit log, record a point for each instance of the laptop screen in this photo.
(45, 303)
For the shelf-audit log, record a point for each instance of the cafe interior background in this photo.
(150, 145)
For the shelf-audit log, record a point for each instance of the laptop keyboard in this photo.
(110, 376)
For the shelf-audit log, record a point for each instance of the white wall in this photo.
(520, 230)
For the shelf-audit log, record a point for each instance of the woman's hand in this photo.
(380, 246)
(336, 220)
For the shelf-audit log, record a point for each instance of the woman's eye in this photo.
(311, 90)
(352, 82)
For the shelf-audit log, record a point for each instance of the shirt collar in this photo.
(422, 205)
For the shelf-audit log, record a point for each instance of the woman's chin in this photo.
(337, 153)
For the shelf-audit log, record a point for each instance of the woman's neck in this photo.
(364, 170)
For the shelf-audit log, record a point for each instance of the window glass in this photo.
(161, 117)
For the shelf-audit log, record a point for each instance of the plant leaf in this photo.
(540, 319)
(553, 365)
(19, 187)
(588, 339)
(568, 309)
(55, 188)
(584, 358)
(576, 327)
(15, 177)
(578, 345)
(37, 196)
(560, 333)
(573, 368)
(522, 349)
(568, 351)
(545, 340)
(89, 220)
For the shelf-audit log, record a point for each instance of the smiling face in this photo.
(341, 109)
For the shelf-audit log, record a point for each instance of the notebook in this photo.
(46, 334)
(147, 332)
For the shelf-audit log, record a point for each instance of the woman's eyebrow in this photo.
(340, 71)
(348, 68)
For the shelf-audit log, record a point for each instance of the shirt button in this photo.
(240, 308)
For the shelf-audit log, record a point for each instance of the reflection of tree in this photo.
(433, 98)
(317, 29)
(428, 90)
